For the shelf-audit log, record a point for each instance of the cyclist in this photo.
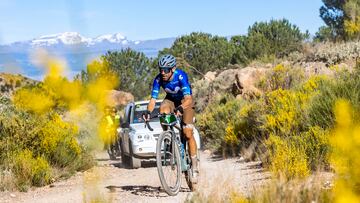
(109, 135)
(178, 100)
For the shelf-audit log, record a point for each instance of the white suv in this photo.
(136, 141)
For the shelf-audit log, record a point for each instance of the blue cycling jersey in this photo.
(175, 89)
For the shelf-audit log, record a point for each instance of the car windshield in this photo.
(141, 108)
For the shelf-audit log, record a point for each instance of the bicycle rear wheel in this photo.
(168, 164)
(188, 173)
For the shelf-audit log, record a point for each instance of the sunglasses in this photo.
(166, 70)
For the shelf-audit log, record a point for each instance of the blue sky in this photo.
(145, 19)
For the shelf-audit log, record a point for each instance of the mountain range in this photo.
(76, 49)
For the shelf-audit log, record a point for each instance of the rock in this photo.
(239, 81)
(207, 151)
(119, 98)
(241, 159)
(210, 76)
(12, 195)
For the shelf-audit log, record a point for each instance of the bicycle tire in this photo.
(192, 186)
(169, 189)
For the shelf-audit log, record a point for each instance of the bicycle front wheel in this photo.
(168, 163)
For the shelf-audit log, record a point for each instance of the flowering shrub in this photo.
(287, 158)
(32, 145)
(281, 76)
(283, 112)
(214, 122)
(317, 147)
(30, 170)
(346, 152)
(277, 121)
(58, 142)
(34, 100)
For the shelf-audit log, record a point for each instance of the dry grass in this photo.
(316, 188)
(313, 189)
(7, 181)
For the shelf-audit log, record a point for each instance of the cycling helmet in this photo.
(167, 61)
(107, 109)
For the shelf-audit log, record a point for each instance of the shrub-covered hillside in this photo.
(48, 129)
(10, 83)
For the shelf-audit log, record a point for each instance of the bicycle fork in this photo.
(173, 148)
(172, 152)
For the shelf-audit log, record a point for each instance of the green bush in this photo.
(202, 51)
(324, 34)
(265, 39)
(247, 124)
(229, 125)
(130, 68)
(214, 121)
(346, 86)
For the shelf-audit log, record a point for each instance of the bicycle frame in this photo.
(176, 139)
(178, 147)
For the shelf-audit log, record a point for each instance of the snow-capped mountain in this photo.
(74, 38)
(113, 38)
(78, 50)
(68, 38)
(69, 42)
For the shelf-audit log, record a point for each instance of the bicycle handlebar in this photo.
(147, 124)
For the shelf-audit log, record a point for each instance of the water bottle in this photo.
(182, 154)
(182, 150)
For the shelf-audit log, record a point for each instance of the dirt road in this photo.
(110, 181)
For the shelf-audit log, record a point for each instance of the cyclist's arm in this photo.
(154, 93)
(186, 89)
(151, 104)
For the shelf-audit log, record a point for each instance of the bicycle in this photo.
(113, 148)
(172, 153)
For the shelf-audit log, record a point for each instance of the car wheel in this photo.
(118, 148)
(134, 162)
(124, 158)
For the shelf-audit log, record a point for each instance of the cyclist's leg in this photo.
(166, 107)
(188, 132)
